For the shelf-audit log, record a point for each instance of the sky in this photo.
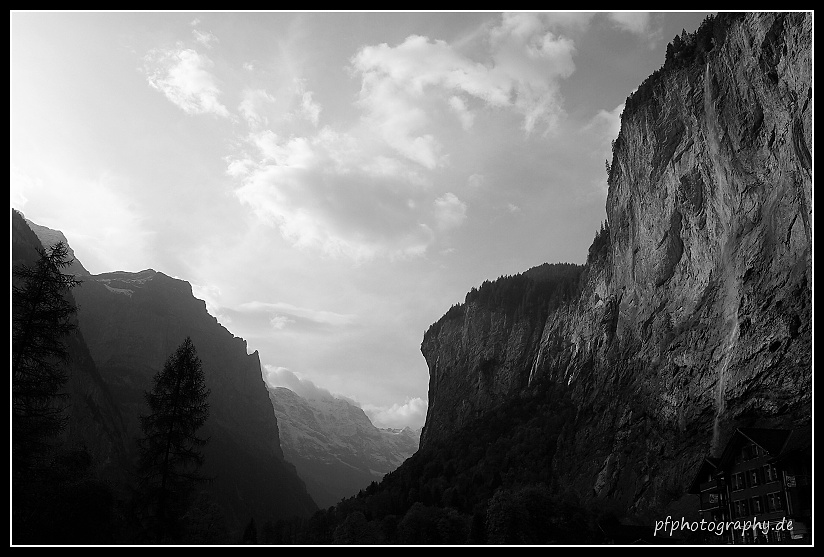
(329, 183)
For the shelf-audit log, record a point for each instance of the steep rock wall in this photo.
(696, 318)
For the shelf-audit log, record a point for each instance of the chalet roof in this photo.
(771, 440)
(708, 465)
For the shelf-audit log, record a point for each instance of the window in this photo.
(755, 505)
(740, 508)
(774, 501)
(770, 473)
(738, 481)
(751, 451)
(754, 476)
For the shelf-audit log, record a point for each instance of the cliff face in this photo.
(695, 317)
(334, 446)
(94, 420)
(132, 323)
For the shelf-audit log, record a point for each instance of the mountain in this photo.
(132, 322)
(573, 404)
(334, 446)
(693, 315)
(95, 421)
(49, 237)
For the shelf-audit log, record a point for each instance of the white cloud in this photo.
(633, 22)
(280, 321)
(607, 123)
(464, 115)
(183, 76)
(19, 183)
(309, 108)
(402, 86)
(512, 208)
(238, 167)
(276, 376)
(450, 211)
(476, 181)
(335, 193)
(640, 24)
(249, 66)
(368, 191)
(411, 413)
(284, 310)
(254, 101)
(205, 38)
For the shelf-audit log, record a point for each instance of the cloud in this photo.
(476, 181)
(450, 211)
(276, 376)
(403, 86)
(249, 66)
(411, 413)
(309, 108)
(205, 38)
(334, 192)
(238, 167)
(183, 76)
(464, 115)
(607, 123)
(370, 190)
(253, 103)
(633, 22)
(512, 208)
(289, 310)
(600, 132)
(280, 321)
(638, 23)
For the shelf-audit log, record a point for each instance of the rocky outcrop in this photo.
(695, 315)
(334, 446)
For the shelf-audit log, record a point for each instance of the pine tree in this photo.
(41, 319)
(170, 454)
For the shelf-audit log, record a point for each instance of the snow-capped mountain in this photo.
(335, 448)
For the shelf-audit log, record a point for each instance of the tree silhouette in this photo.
(170, 448)
(41, 319)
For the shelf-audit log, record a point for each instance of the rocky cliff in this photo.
(94, 420)
(131, 323)
(334, 446)
(693, 313)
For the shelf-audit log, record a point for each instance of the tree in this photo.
(41, 319)
(170, 454)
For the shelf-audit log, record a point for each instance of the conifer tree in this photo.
(170, 454)
(41, 319)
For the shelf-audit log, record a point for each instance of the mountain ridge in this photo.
(334, 446)
(131, 323)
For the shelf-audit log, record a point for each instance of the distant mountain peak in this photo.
(334, 446)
